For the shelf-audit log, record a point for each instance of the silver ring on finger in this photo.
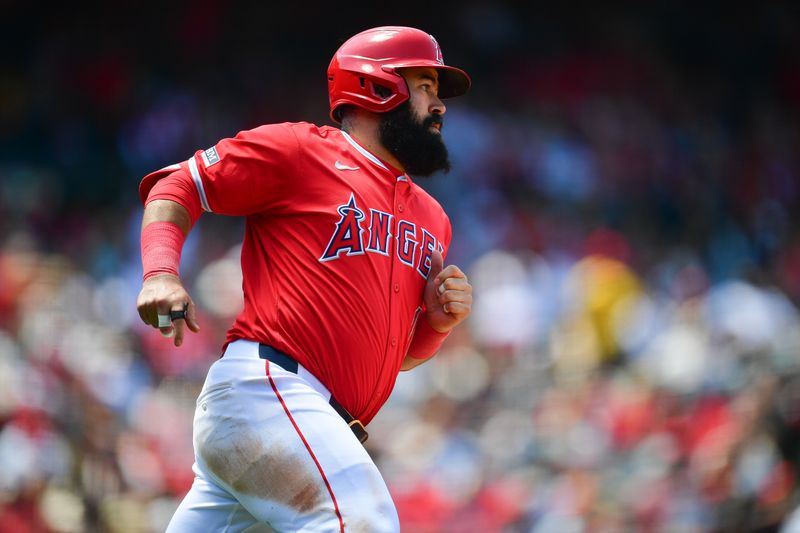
(164, 321)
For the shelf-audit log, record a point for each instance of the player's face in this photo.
(423, 89)
(412, 131)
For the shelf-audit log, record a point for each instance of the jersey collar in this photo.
(373, 158)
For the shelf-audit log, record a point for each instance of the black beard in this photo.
(420, 152)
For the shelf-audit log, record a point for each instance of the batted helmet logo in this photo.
(439, 58)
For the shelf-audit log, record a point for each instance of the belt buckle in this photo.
(359, 430)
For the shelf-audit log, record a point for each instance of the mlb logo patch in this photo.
(210, 157)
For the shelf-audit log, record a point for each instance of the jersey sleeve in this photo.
(177, 187)
(249, 173)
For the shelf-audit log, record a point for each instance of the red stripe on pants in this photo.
(310, 451)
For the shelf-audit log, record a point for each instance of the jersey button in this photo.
(400, 207)
(394, 341)
(396, 287)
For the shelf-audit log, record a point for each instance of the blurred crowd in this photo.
(625, 200)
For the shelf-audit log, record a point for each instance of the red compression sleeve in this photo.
(162, 243)
(426, 341)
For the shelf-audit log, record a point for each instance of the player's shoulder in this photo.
(300, 130)
(290, 137)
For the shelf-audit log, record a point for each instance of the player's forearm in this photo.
(165, 225)
(167, 211)
(411, 362)
(424, 345)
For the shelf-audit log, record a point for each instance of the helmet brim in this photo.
(452, 81)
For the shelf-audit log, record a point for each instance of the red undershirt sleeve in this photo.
(426, 341)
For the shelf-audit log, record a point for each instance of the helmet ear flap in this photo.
(381, 91)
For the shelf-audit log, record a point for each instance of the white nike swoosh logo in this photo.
(340, 166)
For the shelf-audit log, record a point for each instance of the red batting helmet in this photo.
(372, 57)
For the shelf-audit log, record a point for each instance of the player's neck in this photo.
(364, 129)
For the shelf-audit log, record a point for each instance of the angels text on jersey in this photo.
(352, 236)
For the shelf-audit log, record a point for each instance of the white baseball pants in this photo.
(269, 449)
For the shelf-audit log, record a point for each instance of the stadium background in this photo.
(625, 200)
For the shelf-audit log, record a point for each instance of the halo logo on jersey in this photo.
(347, 236)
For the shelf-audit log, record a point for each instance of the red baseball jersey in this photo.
(336, 251)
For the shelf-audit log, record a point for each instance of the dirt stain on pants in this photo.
(240, 457)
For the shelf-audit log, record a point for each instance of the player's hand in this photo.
(161, 295)
(448, 295)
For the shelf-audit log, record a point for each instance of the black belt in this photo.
(290, 365)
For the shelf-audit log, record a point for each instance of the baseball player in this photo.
(344, 286)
